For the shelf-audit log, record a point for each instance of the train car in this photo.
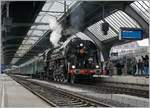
(75, 59)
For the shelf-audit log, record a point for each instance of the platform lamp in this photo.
(105, 25)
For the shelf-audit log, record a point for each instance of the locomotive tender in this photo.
(75, 59)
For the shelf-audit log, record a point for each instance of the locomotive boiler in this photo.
(75, 59)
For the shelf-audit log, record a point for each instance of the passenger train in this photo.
(75, 59)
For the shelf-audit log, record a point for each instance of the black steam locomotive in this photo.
(75, 59)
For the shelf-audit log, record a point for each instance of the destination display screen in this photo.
(131, 34)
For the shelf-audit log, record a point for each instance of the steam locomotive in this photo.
(75, 59)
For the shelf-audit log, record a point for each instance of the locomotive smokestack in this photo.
(56, 31)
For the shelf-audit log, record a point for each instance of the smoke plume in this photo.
(77, 19)
(56, 31)
(76, 22)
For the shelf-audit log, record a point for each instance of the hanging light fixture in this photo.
(105, 25)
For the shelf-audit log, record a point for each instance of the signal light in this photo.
(105, 28)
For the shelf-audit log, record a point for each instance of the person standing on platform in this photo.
(110, 67)
(140, 67)
(134, 64)
(119, 68)
(106, 67)
(146, 65)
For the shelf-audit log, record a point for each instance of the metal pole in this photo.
(149, 43)
(103, 12)
(64, 7)
(7, 9)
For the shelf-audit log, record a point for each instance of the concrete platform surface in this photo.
(13, 95)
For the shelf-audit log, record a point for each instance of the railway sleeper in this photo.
(75, 100)
(83, 102)
(81, 105)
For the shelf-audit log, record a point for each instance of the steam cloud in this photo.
(77, 19)
(76, 22)
(56, 31)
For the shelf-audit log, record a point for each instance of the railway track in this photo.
(58, 97)
(111, 88)
(114, 88)
(128, 91)
(107, 89)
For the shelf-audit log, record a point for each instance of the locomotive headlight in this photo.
(73, 67)
(81, 44)
(97, 66)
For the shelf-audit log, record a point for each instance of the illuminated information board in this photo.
(131, 34)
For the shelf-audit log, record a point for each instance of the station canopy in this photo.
(56, 9)
(116, 20)
(50, 9)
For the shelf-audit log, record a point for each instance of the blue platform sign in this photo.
(131, 34)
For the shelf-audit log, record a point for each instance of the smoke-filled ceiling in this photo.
(56, 21)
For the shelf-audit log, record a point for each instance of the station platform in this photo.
(140, 80)
(13, 95)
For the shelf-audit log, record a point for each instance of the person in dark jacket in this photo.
(134, 65)
(119, 68)
(146, 65)
(140, 67)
